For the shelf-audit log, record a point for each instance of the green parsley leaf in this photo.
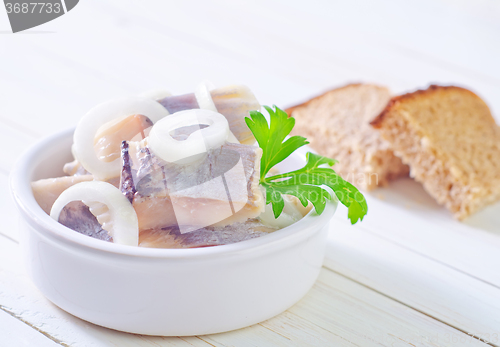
(270, 137)
(316, 195)
(308, 183)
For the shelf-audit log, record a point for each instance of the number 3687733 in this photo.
(33, 7)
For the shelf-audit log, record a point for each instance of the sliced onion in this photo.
(203, 96)
(83, 139)
(197, 144)
(155, 94)
(107, 203)
(291, 213)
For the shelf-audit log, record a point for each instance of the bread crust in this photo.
(450, 140)
(290, 109)
(337, 124)
(377, 121)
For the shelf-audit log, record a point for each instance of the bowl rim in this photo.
(20, 188)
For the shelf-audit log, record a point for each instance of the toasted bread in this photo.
(337, 124)
(451, 142)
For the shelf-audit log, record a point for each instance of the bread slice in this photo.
(450, 141)
(337, 124)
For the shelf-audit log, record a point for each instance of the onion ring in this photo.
(107, 203)
(197, 144)
(83, 139)
(203, 96)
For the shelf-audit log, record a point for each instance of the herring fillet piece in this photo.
(77, 216)
(233, 102)
(47, 190)
(220, 190)
(171, 237)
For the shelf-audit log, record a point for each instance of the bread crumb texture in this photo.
(337, 124)
(451, 142)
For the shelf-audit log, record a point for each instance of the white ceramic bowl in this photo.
(169, 292)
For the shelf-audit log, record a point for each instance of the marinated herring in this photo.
(167, 171)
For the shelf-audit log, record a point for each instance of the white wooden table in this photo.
(407, 275)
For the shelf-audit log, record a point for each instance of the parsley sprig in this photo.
(307, 183)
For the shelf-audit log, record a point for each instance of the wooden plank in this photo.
(340, 312)
(406, 215)
(270, 40)
(366, 318)
(435, 29)
(419, 282)
(21, 299)
(58, 93)
(67, 82)
(16, 141)
(286, 329)
(336, 310)
(9, 213)
(14, 332)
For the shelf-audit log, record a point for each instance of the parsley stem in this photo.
(275, 177)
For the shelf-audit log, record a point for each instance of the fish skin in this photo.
(77, 216)
(171, 237)
(176, 103)
(235, 102)
(169, 194)
(126, 181)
